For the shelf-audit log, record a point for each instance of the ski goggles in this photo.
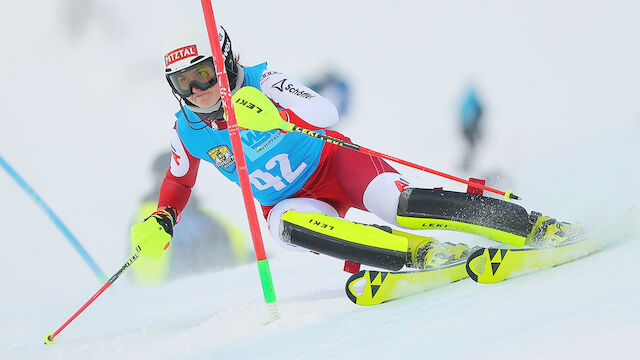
(201, 75)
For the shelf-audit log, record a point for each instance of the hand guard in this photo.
(153, 235)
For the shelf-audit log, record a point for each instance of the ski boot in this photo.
(547, 232)
(431, 253)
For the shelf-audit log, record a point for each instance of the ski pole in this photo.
(256, 111)
(65, 231)
(508, 195)
(264, 270)
(49, 338)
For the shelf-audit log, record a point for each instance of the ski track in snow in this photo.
(84, 116)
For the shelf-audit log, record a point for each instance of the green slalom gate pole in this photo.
(238, 153)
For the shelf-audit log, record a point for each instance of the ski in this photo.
(368, 287)
(491, 265)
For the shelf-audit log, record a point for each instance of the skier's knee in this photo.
(381, 195)
(295, 204)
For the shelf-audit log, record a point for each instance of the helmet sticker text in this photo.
(179, 54)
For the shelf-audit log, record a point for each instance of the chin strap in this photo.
(189, 122)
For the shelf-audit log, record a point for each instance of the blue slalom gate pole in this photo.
(87, 258)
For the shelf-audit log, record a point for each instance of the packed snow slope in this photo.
(86, 108)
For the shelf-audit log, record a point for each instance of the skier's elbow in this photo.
(331, 116)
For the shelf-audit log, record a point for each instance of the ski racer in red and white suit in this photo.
(342, 179)
(305, 184)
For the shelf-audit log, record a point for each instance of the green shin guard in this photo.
(495, 219)
(365, 244)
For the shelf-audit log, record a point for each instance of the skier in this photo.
(305, 185)
(203, 241)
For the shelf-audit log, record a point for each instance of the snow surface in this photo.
(84, 114)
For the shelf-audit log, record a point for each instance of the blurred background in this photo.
(86, 108)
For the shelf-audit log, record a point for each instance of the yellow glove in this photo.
(153, 235)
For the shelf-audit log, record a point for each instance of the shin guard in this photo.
(345, 240)
(495, 219)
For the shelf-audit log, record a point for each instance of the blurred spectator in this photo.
(80, 17)
(471, 112)
(334, 87)
(202, 240)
